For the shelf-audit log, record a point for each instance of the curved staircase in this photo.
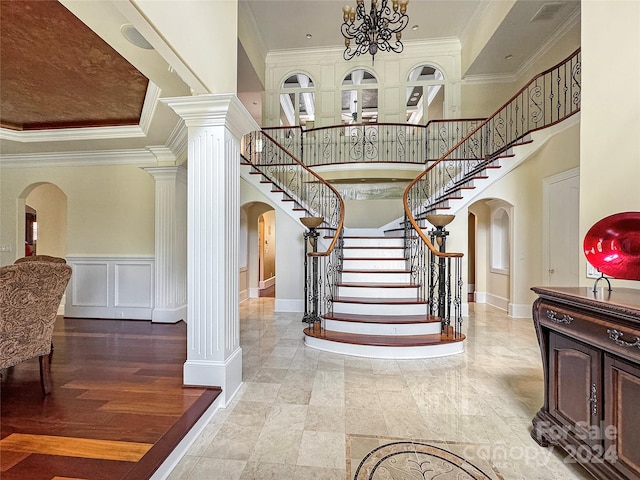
(377, 311)
(374, 293)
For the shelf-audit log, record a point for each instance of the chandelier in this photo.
(375, 30)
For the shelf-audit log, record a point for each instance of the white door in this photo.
(561, 229)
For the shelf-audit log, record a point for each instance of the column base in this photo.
(226, 375)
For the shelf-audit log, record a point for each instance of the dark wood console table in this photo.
(590, 345)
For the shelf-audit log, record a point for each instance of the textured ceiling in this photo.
(57, 73)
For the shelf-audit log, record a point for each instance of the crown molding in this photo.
(549, 43)
(178, 141)
(91, 133)
(531, 61)
(438, 46)
(139, 157)
(482, 79)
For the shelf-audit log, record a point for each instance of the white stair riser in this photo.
(377, 264)
(372, 253)
(374, 242)
(386, 329)
(378, 292)
(373, 351)
(380, 308)
(376, 277)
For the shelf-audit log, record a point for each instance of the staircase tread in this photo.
(385, 340)
(394, 319)
(368, 236)
(375, 271)
(379, 300)
(375, 258)
(373, 247)
(378, 285)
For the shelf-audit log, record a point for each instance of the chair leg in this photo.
(45, 373)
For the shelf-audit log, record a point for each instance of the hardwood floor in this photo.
(117, 409)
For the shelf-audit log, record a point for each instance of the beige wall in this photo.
(523, 188)
(289, 249)
(110, 209)
(269, 257)
(610, 160)
(485, 97)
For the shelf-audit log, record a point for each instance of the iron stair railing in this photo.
(318, 199)
(549, 98)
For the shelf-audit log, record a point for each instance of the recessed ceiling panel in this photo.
(57, 73)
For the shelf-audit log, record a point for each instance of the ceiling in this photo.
(56, 73)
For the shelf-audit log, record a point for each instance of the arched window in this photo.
(359, 97)
(297, 101)
(425, 95)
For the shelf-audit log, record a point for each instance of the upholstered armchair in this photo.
(30, 294)
(41, 258)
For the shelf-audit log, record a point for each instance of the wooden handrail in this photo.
(405, 198)
(328, 185)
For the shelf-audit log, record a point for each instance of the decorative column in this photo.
(215, 124)
(170, 285)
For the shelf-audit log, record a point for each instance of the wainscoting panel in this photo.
(110, 287)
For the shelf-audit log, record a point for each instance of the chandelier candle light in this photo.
(375, 30)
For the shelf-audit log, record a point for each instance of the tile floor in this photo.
(303, 414)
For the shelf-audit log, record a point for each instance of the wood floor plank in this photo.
(75, 447)
(116, 384)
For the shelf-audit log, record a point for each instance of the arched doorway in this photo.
(257, 250)
(45, 220)
(492, 251)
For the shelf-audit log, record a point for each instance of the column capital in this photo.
(214, 110)
(177, 172)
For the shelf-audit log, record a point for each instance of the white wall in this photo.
(327, 69)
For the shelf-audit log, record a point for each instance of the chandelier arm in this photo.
(374, 30)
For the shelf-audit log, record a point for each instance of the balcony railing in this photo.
(373, 143)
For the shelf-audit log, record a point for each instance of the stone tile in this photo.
(322, 449)
(215, 469)
(318, 473)
(268, 471)
(307, 414)
(325, 419)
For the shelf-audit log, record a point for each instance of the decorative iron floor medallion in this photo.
(415, 461)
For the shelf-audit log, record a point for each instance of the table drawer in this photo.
(592, 329)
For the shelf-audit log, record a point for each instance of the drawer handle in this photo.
(593, 400)
(616, 336)
(553, 316)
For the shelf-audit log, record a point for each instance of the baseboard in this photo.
(288, 305)
(269, 282)
(169, 315)
(493, 300)
(244, 295)
(254, 293)
(522, 310)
